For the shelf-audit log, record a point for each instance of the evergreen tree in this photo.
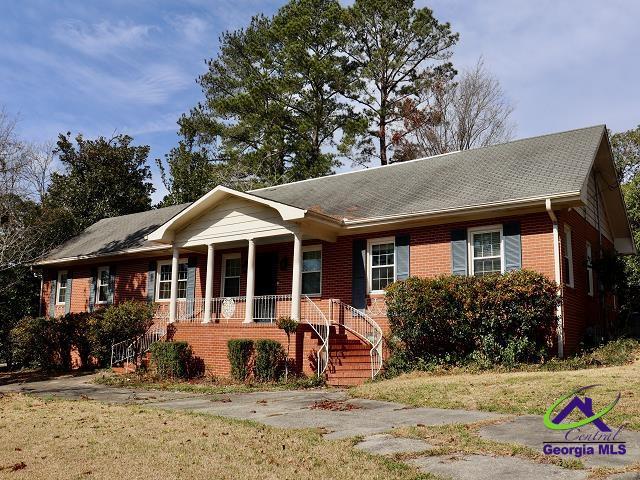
(100, 178)
(398, 50)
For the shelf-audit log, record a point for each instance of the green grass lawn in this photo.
(530, 392)
(45, 439)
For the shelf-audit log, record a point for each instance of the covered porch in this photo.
(237, 257)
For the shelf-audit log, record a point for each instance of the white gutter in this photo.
(556, 264)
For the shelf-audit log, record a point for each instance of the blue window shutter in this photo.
(358, 275)
(52, 297)
(67, 293)
(92, 289)
(192, 262)
(112, 284)
(402, 257)
(151, 282)
(459, 251)
(512, 246)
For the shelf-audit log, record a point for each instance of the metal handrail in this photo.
(318, 322)
(127, 350)
(364, 327)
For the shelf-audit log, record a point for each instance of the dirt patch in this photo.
(334, 406)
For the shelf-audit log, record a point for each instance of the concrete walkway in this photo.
(338, 416)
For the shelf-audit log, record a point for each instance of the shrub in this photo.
(270, 358)
(47, 342)
(32, 342)
(288, 325)
(171, 359)
(116, 323)
(239, 354)
(496, 319)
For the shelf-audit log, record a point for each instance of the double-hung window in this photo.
(381, 263)
(102, 285)
(231, 268)
(61, 294)
(164, 280)
(589, 271)
(568, 257)
(312, 270)
(485, 250)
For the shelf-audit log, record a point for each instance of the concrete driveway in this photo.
(338, 416)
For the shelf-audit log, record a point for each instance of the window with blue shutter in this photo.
(151, 282)
(459, 254)
(92, 289)
(512, 246)
(192, 263)
(358, 274)
(402, 257)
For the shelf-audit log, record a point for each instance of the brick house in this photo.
(323, 250)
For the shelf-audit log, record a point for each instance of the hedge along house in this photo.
(322, 251)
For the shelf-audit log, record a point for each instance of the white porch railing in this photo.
(266, 309)
(362, 325)
(312, 315)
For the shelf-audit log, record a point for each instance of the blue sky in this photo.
(130, 67)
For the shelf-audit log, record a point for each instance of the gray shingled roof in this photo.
(114, 234)
(532, 167)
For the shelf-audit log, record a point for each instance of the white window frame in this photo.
(59, 287)
(568, 254)
(158, 281)
(313, 248)
(370, 244)
(223, 271)
(484, 229)
(98, 285)
(589, 260)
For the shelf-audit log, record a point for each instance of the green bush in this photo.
(239, 354)
(32, 342)
(492, 320)
(116, 323)
(270, 358)
(171, 359)
(47, 342)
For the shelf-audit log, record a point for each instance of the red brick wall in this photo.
(581, 311)
(209, 342)
(430, 252)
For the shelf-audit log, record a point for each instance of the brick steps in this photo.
(349, 359)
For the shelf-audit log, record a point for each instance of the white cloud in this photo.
(101, 37)
(193, 29)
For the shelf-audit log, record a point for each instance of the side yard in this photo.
(528, 392)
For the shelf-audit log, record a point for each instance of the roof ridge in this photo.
(363, 170)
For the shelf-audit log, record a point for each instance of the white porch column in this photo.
(251, 281)
(174, 284)
(296, 281)
(208, 292)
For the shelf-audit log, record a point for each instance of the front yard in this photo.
(514, 392)
(83, 439)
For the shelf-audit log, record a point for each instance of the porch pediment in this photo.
(226, 215)
(231, 220)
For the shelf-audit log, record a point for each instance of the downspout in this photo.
(556, 265)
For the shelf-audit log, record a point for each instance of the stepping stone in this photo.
(484, 467)
(385, 444)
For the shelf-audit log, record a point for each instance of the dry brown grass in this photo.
(45, 439)
(516, 392)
